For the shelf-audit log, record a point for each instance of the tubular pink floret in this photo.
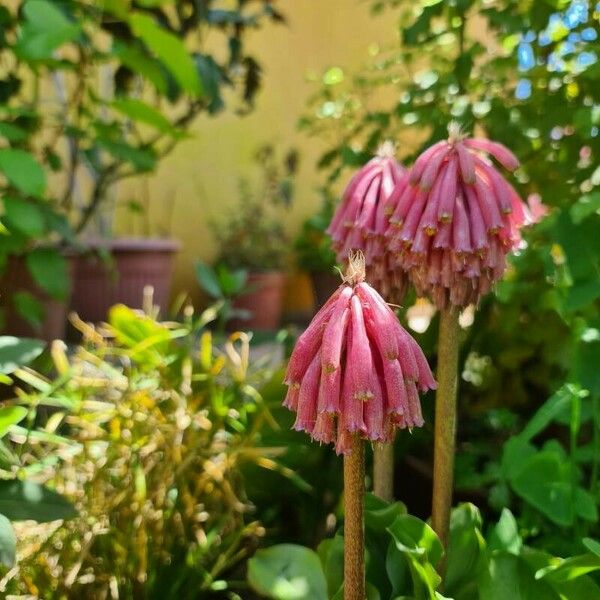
(500, 152)
(453, 224)
(362, 212)
(358, 373)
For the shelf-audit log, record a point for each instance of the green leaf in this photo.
(212, 79)
(505, 535)
(416, 537)
(23, 171)
(587, 205)
(554, 406)
(12, 132)
(9, 416)
(49, 270)
(169, 50)
(422, 549)
(208, 280)
(466, 549)
(8, 543)
(379, 514)
(570, 568)
(23, 216)
(592, 545)
(287, 572)
(29, 307)
(545, 482)
(138, 63)
(26, 500)
(585, 505)
(17, 352)
(331, 553)
(140, 111)
(143, 159)
(44, 30)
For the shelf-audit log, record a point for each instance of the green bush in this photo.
(145, 428)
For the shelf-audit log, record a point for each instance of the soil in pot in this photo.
(263, 301)
(117, 272)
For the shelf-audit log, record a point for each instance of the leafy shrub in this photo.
(403, 552)
(145, 428)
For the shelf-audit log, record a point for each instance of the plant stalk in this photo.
(354, 542)
(445, 423)
(383, 471)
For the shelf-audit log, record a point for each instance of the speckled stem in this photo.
(445, 423)
(354, 534)
(383, 471)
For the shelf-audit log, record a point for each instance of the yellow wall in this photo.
(200, 178)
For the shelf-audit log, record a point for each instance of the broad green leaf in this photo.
(23, 171)
(505, 535)
(143, 159)
(208, 280)
(29, 307)
(379, 515)
(23, 216)
(211, 79)
(585, 505)
(49, 270)
(12, 132)
(331, 553)
(587, 205)
(17, 352)
(8, 543)
(570, 568)
(231, 281)
(9, 416)
(466, 549)
(397, 569)
(501, 581)
(422, 549)
(592, 545)
(26, 500)
(139, 63)
(140, 111)
(554, 406)
(416, 537)
(287, 572)
(169, 50)
(515, 454)
(44, 30)
(545, 482)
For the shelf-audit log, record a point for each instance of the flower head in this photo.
(355, 369)
(361, 219)
(453, 224)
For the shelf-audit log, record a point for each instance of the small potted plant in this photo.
(314, 254)
(253, 238)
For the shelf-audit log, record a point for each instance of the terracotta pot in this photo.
(264, 301)
(133, 264)
(16, 278)
(324, 284)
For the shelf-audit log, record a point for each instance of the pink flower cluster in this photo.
(356, 370)
(446, 227)
(453, 224)
(361, 219)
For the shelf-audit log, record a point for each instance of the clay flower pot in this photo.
(263, 301)
(17, 278)
(132, 265)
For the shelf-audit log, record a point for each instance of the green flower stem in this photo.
(354, 531)
(445, 423)
(383, 471)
